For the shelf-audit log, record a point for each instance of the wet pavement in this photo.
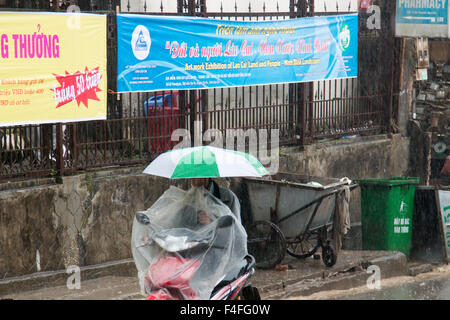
(302, 277)
(306, 276)
(435, 289)
(432, 285)
(104, 288)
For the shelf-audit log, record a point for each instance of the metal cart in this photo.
(290, 213)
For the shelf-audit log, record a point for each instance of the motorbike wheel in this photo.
(250, 293)
(266, 243)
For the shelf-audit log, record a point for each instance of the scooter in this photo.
(169, 277)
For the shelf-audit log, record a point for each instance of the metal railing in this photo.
(135, 132)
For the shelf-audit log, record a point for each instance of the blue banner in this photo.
(428, 12)
(176, 53)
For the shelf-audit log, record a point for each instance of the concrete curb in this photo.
(391, 265)
(40, 280)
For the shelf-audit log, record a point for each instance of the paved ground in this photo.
(433, 285)
(312, 270)
(104, 288)
(302, 278)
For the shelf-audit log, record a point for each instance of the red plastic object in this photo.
(162, 121)
(364, 4)
(161, 295)
(173, 272)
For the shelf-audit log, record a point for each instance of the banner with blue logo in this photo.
(177, 53)
(422, 18)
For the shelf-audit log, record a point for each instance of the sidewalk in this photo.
(302, 278)
(104, 288)
(305, 277)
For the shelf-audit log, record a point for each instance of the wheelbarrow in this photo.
(290, 213)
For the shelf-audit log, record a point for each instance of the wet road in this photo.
(434, 285)
(434, 289)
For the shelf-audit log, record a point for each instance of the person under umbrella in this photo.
(225, 195)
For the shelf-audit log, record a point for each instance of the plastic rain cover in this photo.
(178, 257)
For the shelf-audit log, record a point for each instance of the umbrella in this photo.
(205, 162)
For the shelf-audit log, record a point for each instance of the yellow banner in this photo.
(52, 67)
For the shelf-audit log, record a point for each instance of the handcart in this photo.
(290, 213)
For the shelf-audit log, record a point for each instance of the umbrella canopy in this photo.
(205, 162)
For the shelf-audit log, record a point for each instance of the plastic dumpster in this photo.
(386, 213)
(163, 118)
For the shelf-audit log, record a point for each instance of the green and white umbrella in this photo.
(205, 162)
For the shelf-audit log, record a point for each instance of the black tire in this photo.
(303, 248)
(266, 243)
(329, 256)
(250, 293)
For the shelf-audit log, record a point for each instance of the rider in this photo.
(225, 195)
(231, 200)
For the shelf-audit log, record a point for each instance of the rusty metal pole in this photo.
(204, 93)
(400, 82)
(59, 150)
(180, 6)
(428, 145)
(294, 95)
(74, 146)
(310, 84)
(391, 74)
(182, 95)
(192, 93)
(301, 87)
(191, 7)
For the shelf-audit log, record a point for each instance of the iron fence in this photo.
(136, 130)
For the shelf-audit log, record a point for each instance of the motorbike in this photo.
(170, 275)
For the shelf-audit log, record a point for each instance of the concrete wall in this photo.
(360, 157)
(87, 219)
(83, 221)
(406, 95)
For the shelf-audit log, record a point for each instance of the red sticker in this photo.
(79, 87)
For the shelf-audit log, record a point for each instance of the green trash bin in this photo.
(386, 213)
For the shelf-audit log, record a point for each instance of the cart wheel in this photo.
(328, 255)
(303, 248)
(266, 243)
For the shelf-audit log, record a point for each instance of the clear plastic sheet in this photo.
(177, 256)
